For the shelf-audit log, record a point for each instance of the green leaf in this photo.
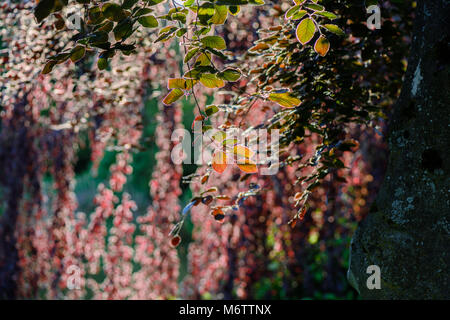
(220, 15)
(229, 74)
(190, 54)
(315, 7)
(143, 12)
(61, 57)
(105, 27)
(153, 2)
(148, 21)
(334, 29)
(43, 9)
(306, 30)
(173, 96)
(95, 16)
(181, 32)
(166, 33)
(210, 80)
(369, 3)
(203, 60)
(299, 15)
(102, 63)
(48, 67)
(291, 11)
(123, 30)
(128, 4)
(113, 12)
(214, 42)
(205, 12)
(210, 110)
(98, 37)
(327, 14)
(77, 53)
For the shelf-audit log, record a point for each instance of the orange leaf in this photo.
(248, 167)
(322, 46)
(219, 161)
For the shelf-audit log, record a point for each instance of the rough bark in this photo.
(407, 233)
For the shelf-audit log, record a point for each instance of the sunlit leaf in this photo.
(334, 29)
(220, 15)
(243, 152)
(291, 11)
(298, 15)
(327, 14)
(229, 74)
(285, 99)
(214, 42)
(190, 54)
(219, 161)
(306, 30)
(313, 6)
(322, 46)
(210, 110)
(173, 96)
(210, 80)
(247, 166)
(179, 83)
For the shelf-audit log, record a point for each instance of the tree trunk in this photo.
(407, 233)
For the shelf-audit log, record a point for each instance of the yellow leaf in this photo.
(285, 99)
(179, 83)
(242, 151)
